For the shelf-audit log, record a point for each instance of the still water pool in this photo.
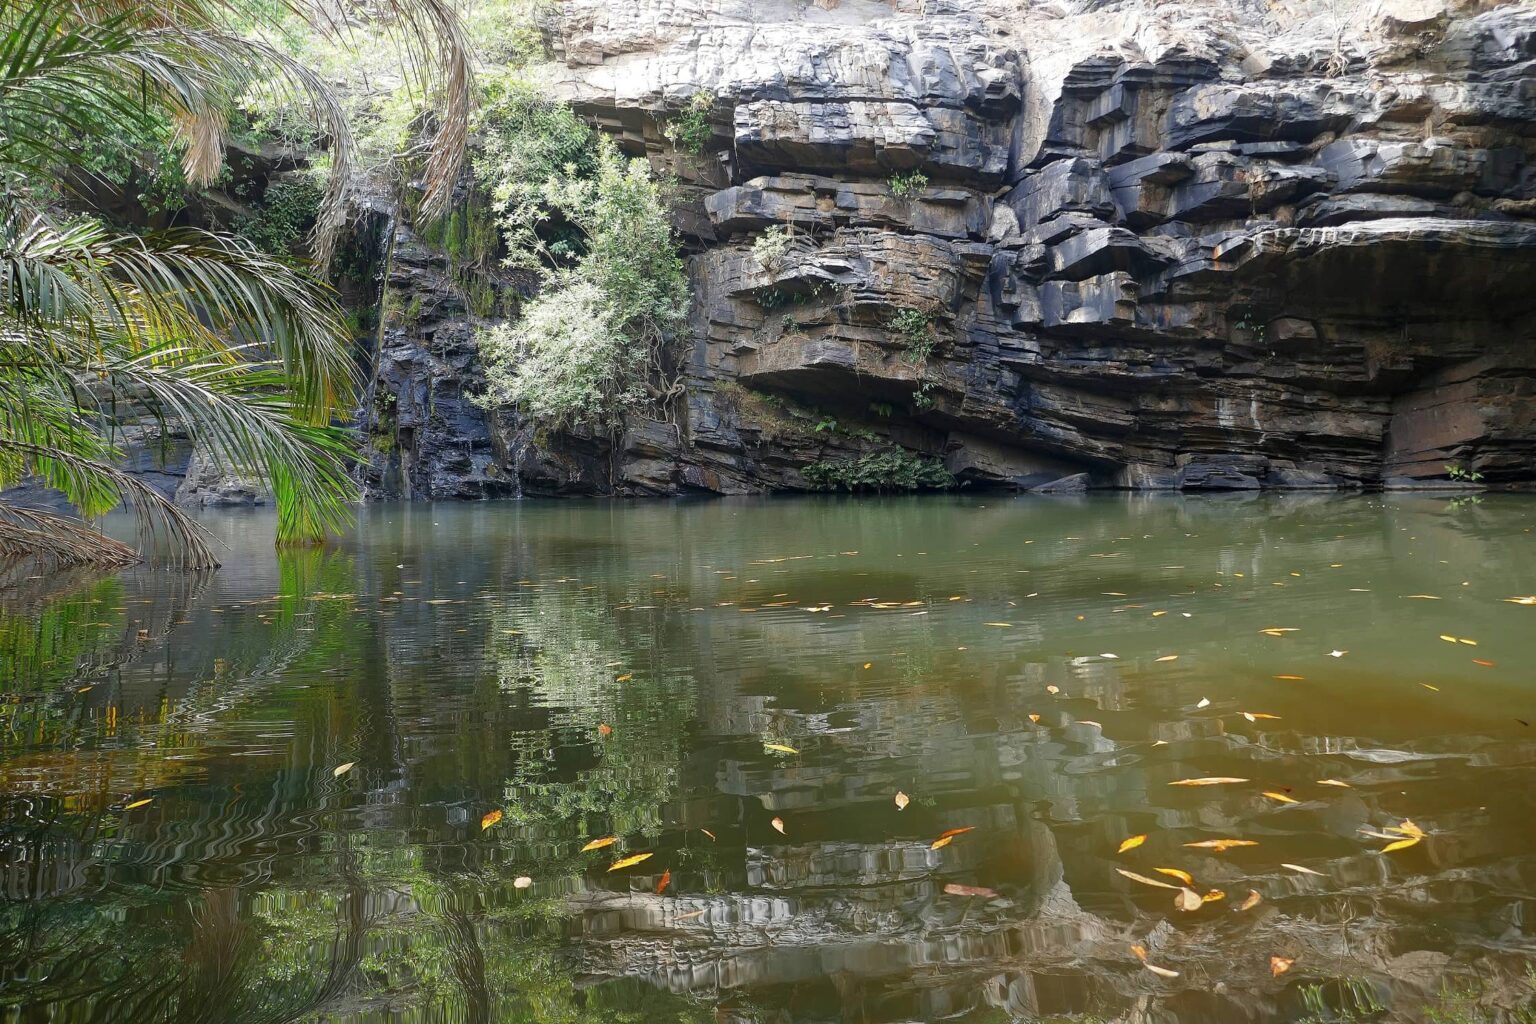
(786, 760)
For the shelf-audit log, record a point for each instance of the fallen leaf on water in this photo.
(1214, 780)
(778, 823)
(1427, 686)
(598, 844)
(1053, 690)
(1183, 876)
(1337, 654)
(1161, 972)
(1280, 797)
(1408, 828)
(1221, 845)
(1140, 953)
(1423, 597)
(902, 800)
(1464, 640)
(604, 729)
(1131, 843)
(666, 880)
(869, 664)
(626, 677)
(1303, 870)
(1204, 702)
(708, 833)
(1005, 625)
(629, 862)
(1334, 782)
(1111, 657)
(1254, 716)
(1480, 661)
(955, 889)
(1144, 880)
(342, 769)
(1253, 900)
(1278, 965)
(1530, 600)
(1188, 900)
(1034, 718)
(1169, 657)
(1290, 679)
(946, 838)
(1447, 638)
(1212, 895)
(139, 803)
(1401, 844)
(491, 818)
(780, 747)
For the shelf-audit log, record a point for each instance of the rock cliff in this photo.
(1227, 244)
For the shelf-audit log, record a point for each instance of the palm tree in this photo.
(247, 353)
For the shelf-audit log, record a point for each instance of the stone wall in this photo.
(1224, 244)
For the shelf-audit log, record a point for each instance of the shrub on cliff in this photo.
(595, 341)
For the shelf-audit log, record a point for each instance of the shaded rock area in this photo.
(1192, 246)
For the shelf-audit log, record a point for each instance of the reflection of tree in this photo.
(566, 653)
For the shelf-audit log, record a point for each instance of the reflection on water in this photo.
(739, 690)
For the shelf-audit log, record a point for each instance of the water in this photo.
(616, 669)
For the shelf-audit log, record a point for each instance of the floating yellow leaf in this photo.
(1140, 953)
(1214, 780)
(1464, 640)
(1447, 638)
(139, 803)
(1280, 797)
(1254, 716)
(1188, 900)
(626, 677)
(1303, 870)
(1144, 880)
(1053, 690)
(1290, 679)
(1408, 828)
(342, 769)
(629, 862)
(521, 882)
(1482, 662)
(1334, 782)
(1529, 600)
(1221, 845)
(1169, 657)
(1183, 876)
(902, 800)
(1005, 625)
(1278, 965)
(1161, 972)
(708, 833)
(781, 748)
(491, 818)
(869, 664)
(1253, 900)
(1212, 895)
(666, 880)
(598, 844)
(1401, 844)
(1131, 843)
(604, 729)
(955, 889)
(945, 838)
(778, 823)
(1034, 718)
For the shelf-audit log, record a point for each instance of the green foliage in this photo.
(770, 248)
(690, 130)
(897, 470)
(287, 211)
(595, 342)
(1463, 474)
(915, 330)
(903, 186)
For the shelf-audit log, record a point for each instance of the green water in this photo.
(1035, 671)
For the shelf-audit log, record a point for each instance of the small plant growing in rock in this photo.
(906, 185)
(1463, 474)
(690, 130)
(915, 330)
(771, 247)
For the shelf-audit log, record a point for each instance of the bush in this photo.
(904, 185)
(771, 247)
(915, 330)
(690, 131)
(595, 342)
(287, 210)
(898, 470)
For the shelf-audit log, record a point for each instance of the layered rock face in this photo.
(1113, 243)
